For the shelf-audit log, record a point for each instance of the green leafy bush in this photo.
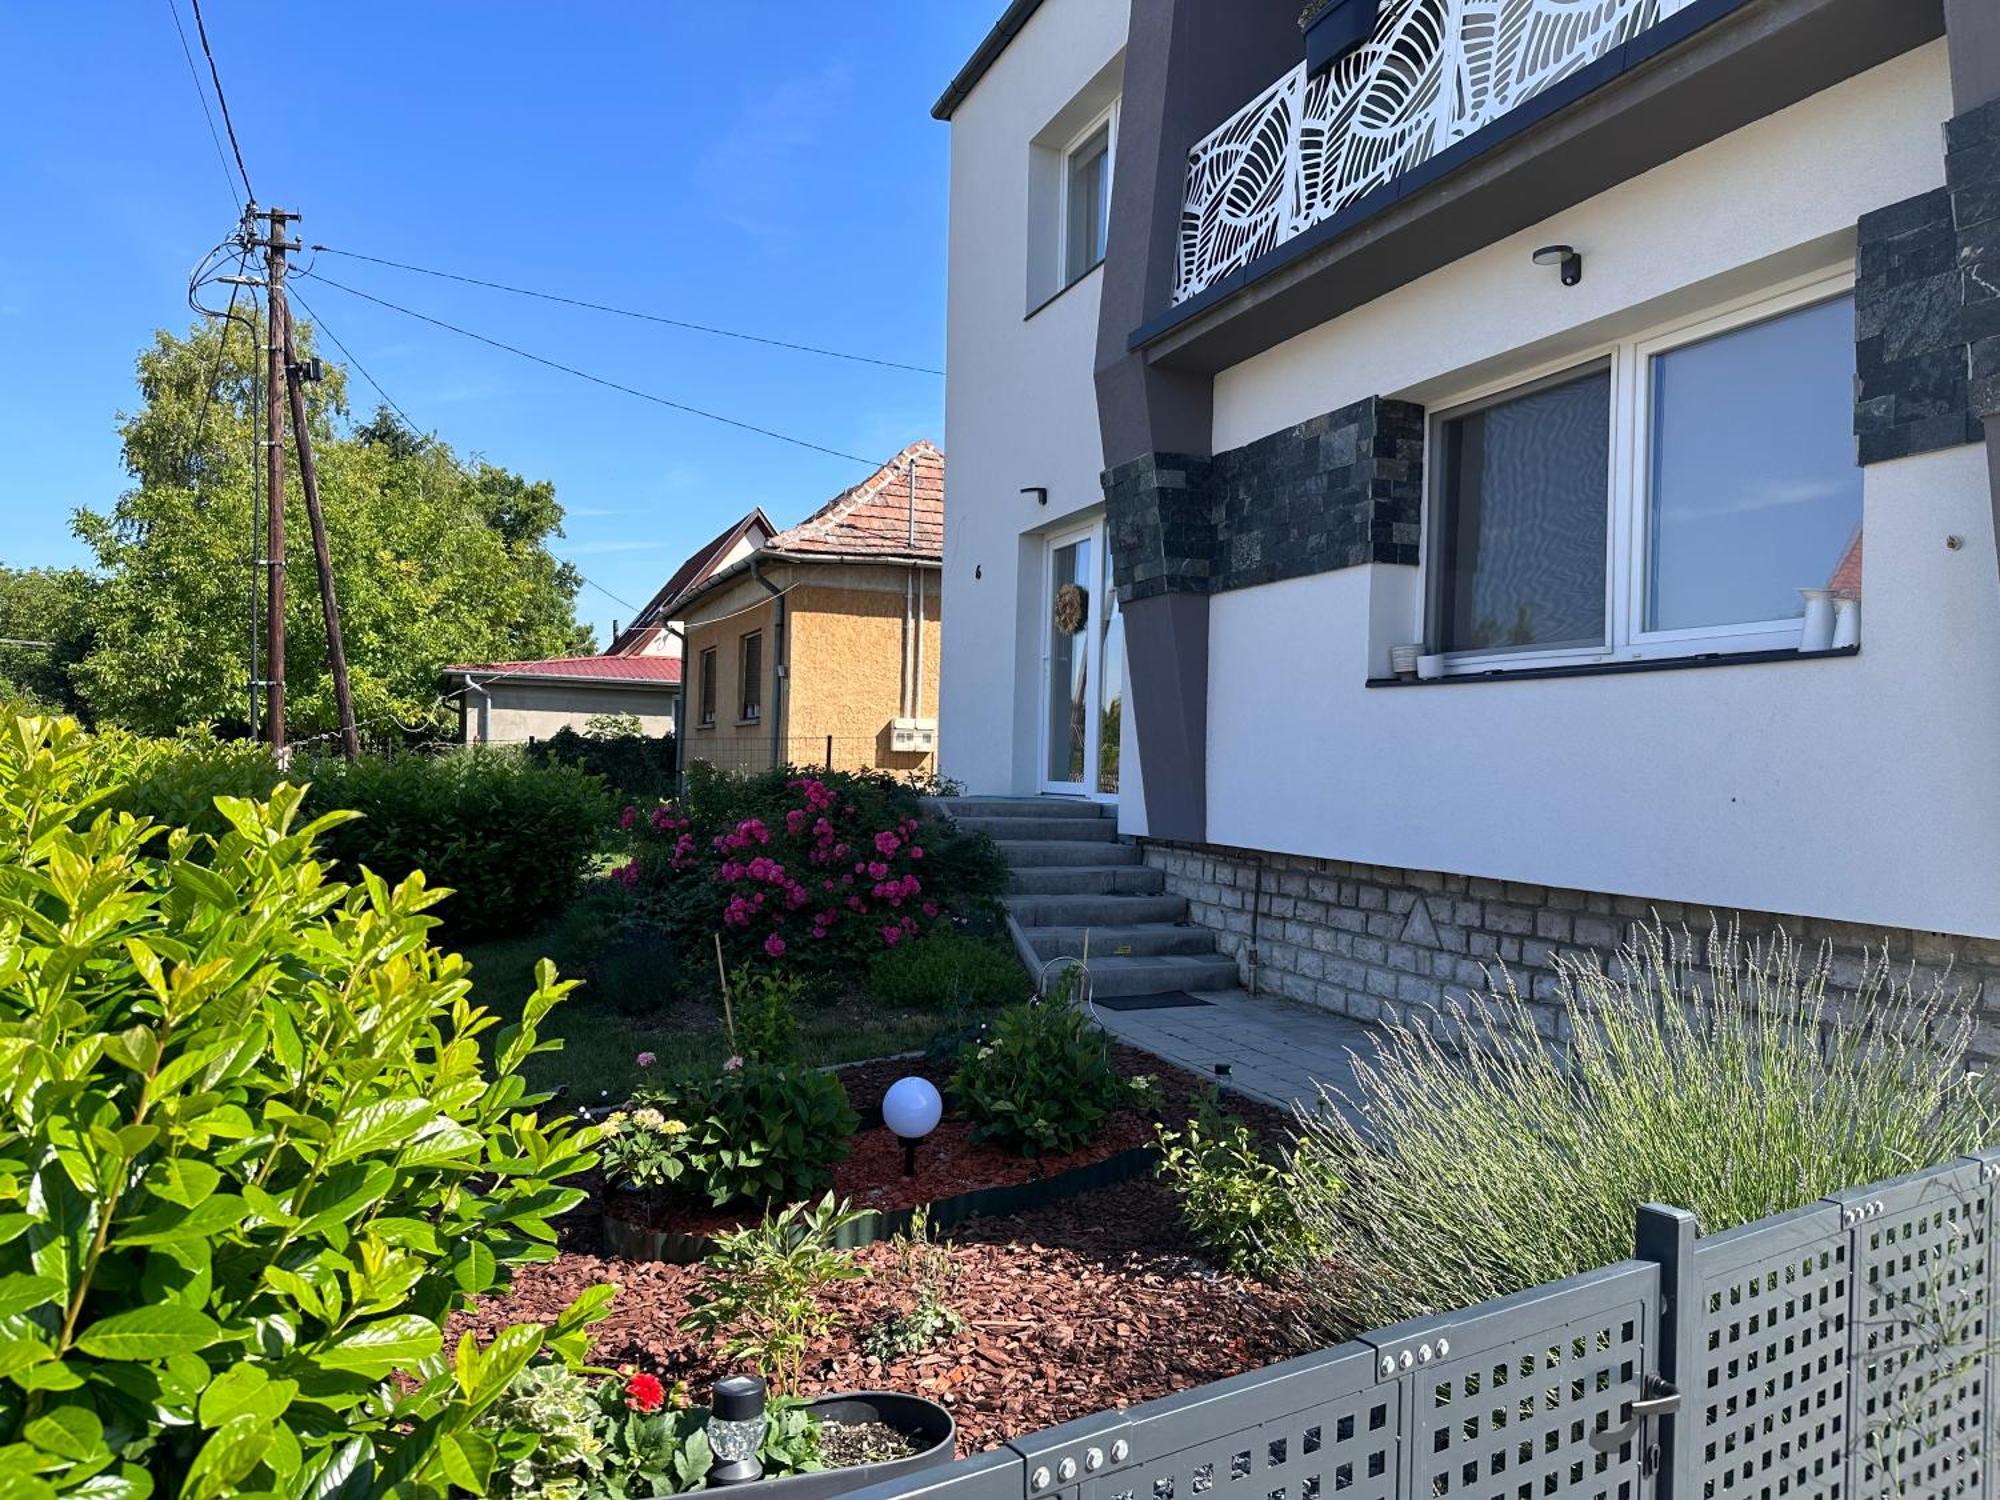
(177, 781)
(636, 766)
(548, 1430)
(945, 968)
(1719, 1080)
(924, 1316)
(510, 839)
(761, 1288)
(254, 1155)
(1042, 1082)
(751, 1134)
(1232, 1195)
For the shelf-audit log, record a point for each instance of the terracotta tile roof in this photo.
(1847, 576)
(641, 669)
(635, 637)
(874, 519)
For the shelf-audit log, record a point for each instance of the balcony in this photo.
(1434, 74)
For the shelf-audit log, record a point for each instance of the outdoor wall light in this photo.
(1565, 256)
(911, 1109)
(736, 1426)
(1039, 491)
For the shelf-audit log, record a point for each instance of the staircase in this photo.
(1070, 876)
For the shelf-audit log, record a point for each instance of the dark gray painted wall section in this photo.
(1913, 376)
(1973, 35)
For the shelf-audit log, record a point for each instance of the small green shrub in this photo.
(764, 1006)
(925, 1317)
(510, 839)
(761, 1288)
(255, 1156)
(1715, 1079)
(176, 782)
(548, 1432)
(946, 968)
(1232, 1195)
(753, 1134)
(1043, 1082)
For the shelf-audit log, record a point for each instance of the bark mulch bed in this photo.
(1095, 1302)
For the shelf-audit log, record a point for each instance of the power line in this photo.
(626, 312)
(200, 93)
(319, 325)
(222, 100)
(539, 359)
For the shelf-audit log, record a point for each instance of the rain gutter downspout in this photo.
(780, 674)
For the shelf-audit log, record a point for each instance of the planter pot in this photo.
(911, 1415)
(1337, 31)
(635, 1242)
(1816, 629)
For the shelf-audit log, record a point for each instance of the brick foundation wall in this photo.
(1379, 943)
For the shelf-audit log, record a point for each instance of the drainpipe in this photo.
(473, 685)
(780, 676)
(680, 716)
(910, 626)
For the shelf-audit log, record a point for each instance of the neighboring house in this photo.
(1540, 335)
(820, 647)
(639, 676)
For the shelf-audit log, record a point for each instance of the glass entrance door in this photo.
(1072, 661)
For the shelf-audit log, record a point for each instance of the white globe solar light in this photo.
(911, 1109)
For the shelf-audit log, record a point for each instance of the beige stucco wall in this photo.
(845, 629)
(512, 713)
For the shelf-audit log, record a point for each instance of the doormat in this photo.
(1172, 1000)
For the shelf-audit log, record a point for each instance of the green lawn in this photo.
(603, 1034)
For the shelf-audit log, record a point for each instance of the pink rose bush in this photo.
(803, 869)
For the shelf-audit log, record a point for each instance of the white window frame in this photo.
(1107, 120)
(1628, 487)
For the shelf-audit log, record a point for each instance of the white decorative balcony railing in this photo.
(1434, 72)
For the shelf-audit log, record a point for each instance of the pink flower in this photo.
(795, 821)
(733, 1065)
(645, 1059)
(878, 871)
(916, 851)
(930, 908)
(774, 946)
(628, 817)
(627, 874)
(886, 843)
(891, 936)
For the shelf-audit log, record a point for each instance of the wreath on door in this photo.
(1072, 608)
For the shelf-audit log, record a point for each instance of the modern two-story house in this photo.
(1416, 460)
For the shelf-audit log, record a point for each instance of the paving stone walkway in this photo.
(1275, 1049)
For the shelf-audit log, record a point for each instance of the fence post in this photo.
(829, 752)
(1666, 1236)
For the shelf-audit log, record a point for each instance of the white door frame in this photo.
(1092, 531)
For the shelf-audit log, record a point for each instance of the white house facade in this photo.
(1539, 447)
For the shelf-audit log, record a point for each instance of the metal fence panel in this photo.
(1530, 1397)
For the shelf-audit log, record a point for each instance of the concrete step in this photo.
(1025, 807)
(1101, 830)
(1111, 977)
(1094, 911)
(1144, 941)
(1026, 854)
(1129, 879)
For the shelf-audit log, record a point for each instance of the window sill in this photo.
(1617, 668)
(708, 724)
(1061, 292)
(749, 723)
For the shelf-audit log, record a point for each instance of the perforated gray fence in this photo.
(1841, 1352)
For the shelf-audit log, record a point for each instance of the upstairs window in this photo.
(708, 686)
(1086, 211)
(1671, 497)
(752, 659)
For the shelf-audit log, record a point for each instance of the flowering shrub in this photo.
(824, 869)
(567, 1436)
(747, 1134)
(1043, 1083)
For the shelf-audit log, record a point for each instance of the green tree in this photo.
(50, 606)
(438, 559)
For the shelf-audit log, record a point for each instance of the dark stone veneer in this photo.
(1927, 304)
(1338, 491)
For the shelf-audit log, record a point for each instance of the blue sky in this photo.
(768, 167)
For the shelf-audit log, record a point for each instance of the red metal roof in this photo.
(664, 670)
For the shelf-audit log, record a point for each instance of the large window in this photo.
(708, 686)
(752, 659)
(1672, 496)
(1086, 211)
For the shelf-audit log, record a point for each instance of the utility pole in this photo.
(336, 650)
(275, 248)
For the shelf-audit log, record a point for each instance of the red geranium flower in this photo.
(645, 1393)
